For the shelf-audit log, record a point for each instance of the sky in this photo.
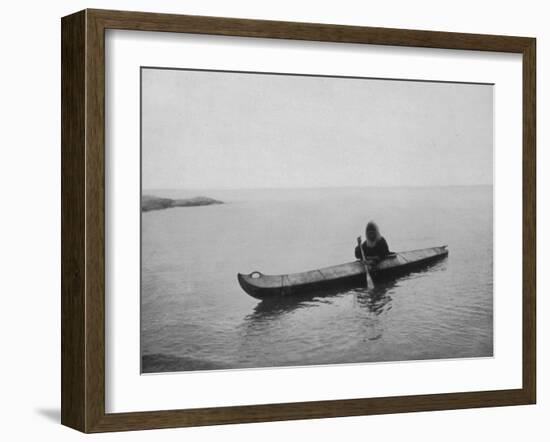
(227, 130)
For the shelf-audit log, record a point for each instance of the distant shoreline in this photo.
(149, 202)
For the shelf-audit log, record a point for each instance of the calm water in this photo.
(195, 316)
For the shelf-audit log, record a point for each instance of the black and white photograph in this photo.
(271, 221)
(303, 220)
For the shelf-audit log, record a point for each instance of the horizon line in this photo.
(419, 186)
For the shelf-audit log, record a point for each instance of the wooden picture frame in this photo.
(83, 220)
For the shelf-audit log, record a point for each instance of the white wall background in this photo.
(30, 221)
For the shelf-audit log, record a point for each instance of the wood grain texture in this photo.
(308, 410)
(83, 219)
(529, 220)
(145, 21)
(95, 222)
(73, 128)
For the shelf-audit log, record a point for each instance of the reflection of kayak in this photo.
(350, 274)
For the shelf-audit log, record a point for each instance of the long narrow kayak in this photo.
(351, 274)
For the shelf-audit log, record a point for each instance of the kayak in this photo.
(350, 274)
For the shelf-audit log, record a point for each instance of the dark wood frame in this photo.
(83, 217)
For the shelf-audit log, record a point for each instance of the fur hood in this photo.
(371, 225)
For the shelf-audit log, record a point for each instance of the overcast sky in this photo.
(218, 130)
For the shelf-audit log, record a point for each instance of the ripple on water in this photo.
(195, 316)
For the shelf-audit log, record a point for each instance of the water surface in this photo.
(195, 316)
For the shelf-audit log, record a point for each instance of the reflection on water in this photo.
(373, 300)
(371, 303)
(195, 316)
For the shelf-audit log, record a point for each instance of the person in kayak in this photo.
(375, 245)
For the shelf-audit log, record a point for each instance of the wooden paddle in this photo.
(364, 260)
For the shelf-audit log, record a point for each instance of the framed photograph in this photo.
(269, 220)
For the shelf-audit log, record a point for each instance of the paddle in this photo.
(364, 260)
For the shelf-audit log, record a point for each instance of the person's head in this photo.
(371, 232)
